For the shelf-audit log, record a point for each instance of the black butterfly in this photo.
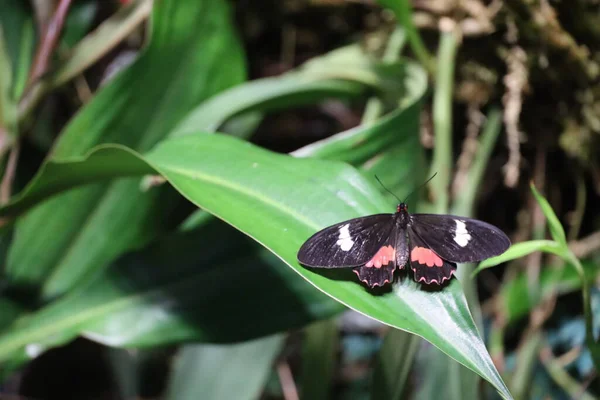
(373, 246)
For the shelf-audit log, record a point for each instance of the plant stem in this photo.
(562, 377)
(463, 204)
(374, 107)
(527, 356)
(587, 308)
(318, 359)
(442, 120)
(403, 11)
(49, 41)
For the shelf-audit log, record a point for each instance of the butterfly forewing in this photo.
(458, 239)
(350, 243)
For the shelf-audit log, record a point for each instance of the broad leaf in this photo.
(212, 284)
(280, 201)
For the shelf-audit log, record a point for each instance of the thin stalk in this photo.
(587, 307)
(463, 204)
(89, 50)
(393, 365)
(396, 42)
(318, 359)
(403, 11)
(528, 354)
(562, 377)
(442, 121)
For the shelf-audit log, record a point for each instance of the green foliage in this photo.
(153, 220)
(559, 247)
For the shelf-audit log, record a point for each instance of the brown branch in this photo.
(584, 247)
(9, 174)
(288, 386)
(514, 81)
(469, 147)
(538, 225)
(49, 41)
(561, 377)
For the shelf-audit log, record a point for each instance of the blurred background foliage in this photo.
(126, 126)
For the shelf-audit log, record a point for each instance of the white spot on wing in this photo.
(461, 235)
(344, 240)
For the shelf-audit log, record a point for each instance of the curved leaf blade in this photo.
(280, 201)
(556, 228)
(519, 250)
(227, 189)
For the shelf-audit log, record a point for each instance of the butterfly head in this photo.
(402, 208)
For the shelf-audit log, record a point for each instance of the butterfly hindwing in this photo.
(351, 243)
(380, 268)
(428, 266)
(459, 239)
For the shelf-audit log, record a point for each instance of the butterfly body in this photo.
(374, 246)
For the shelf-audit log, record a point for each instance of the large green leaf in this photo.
(291, 185)
(85, 229)
(280, 201)
(388, 147)
(158, 287)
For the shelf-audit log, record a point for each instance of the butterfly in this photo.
(430, 244)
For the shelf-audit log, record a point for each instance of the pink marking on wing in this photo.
(425, 256)
(383, 257)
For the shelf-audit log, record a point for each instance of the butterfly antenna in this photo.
(420, 186)
(388, 190)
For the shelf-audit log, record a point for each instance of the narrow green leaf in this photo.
(79, 21)
(23, 64)
(464, 203)
(394, 362)
(519, 250)
(462, 383)
(280, 201)
(87, 228)
(450, 378)
(8, 107)
(442, 121)
(105, 37)
(319, 351)
(525, 366)
(215, 372)
(556, 229)
(404, 15)
(125, 367)
(17, 26)
(361, 145)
